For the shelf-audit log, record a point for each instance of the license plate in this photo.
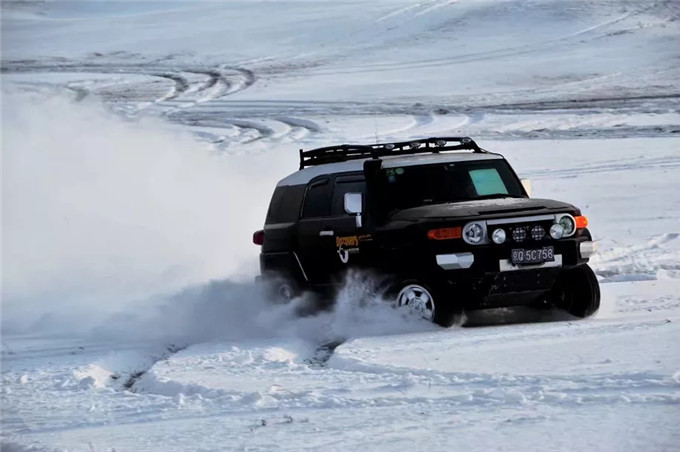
(533, 256)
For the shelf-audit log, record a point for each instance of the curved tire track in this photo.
(221, 81)
(181, 86)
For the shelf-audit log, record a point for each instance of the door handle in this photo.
(326, 233)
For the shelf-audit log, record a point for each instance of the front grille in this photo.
(527, 232)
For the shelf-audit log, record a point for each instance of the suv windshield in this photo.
(412, 186)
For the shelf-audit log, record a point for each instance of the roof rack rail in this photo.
(344, 152)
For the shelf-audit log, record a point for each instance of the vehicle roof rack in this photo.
(344, 152)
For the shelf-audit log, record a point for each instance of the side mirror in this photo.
(526, 183)
(353, 203)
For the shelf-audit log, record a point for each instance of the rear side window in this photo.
(285, 204)
(317, 199)
(347, 184)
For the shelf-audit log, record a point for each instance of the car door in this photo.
(342, 236)
(309, 235)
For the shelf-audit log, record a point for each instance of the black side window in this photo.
(347, 184)
(317, 199)
(285, 204)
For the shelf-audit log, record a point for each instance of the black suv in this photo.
(449, 225)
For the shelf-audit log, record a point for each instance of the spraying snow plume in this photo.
(113, 228)
(233, 311)
(98, 211)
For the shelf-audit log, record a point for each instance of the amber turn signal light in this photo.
(581, 222)
(445, 233)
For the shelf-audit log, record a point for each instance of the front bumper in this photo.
(495, 259)
(489, 279)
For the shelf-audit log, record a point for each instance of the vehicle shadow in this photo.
(515, 315)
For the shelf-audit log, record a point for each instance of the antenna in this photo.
(375, 123)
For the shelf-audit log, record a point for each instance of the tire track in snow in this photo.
(229, 380)
(177, 104)
(310, 126)
(220, 81)
(216, 84)
(247, 130)
(587, 103)
(428, 124)
(132, 378)
(181, 85)
(299, 128)
(122, 370)
(622, 165)
(244, 80)
(261, 130)
(293, 128)
(640, 262)
(419, 8)
(214, 87)
(581, 36)
(202, 95)
(225, 81)
(81, 93)
(323, 354)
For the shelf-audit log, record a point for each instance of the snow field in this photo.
(141, 143)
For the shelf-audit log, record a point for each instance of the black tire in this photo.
(281, 289)
(429, 297)
(577, 292)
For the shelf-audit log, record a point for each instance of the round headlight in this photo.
(557, 231)
(568, 224)
(519, 234)
(498, 236)
(473, 233)
(537, 233)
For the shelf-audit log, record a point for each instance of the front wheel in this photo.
(427, 302)
(577, 292)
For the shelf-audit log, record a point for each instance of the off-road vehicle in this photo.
(449, 224)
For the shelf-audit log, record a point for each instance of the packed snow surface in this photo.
(142, 142)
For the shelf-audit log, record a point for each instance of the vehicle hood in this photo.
(486, 208)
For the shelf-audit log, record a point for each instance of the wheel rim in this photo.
(418, 300)
(286, 292)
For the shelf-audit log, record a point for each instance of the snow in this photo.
(142, 142)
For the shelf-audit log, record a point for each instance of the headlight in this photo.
(568, 223)
(557, 231)
(519, 234)
(537, 233)
(473, 233)
(498, 236)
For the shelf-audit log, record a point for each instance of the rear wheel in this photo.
(426, 301)
(281, 288)
(577, 292)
